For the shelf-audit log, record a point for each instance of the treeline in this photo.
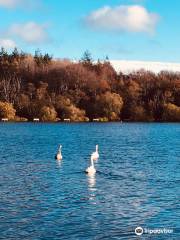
(41, 87)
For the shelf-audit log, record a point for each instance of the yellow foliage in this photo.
(7, 110)
(48, 114)
(171, 112)
(20, 119)
(76, 114)
(109, 105)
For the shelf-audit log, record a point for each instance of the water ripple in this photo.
(137, 180)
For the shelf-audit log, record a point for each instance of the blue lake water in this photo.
(136, 184)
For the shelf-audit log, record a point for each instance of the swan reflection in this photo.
(91, 181)
(91, 187)
(59, 163)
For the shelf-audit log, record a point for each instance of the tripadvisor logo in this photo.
(139, 231)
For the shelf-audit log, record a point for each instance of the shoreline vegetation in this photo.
(42, 89)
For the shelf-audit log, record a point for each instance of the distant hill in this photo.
(130, 66)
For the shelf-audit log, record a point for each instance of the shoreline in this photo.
(77, 122)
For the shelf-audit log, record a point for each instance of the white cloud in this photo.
(7, 43)
(9, 3)
(132, 18)
(25, 4)
(29, 32)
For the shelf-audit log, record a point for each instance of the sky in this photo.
(132, 30)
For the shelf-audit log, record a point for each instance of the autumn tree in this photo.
(109, 105)
(66, 109)
(7, 110)
(48, 114)
(171, 113)
(10, 87)
(87, 88)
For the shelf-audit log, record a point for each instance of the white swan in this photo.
(95, 155)
(59, 154)
(91, 170)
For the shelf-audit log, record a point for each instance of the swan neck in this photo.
(60, 148)
(92, 162)
(96, 148)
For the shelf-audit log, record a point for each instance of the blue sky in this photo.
(145, 30)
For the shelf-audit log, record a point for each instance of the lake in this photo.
(136, 184)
